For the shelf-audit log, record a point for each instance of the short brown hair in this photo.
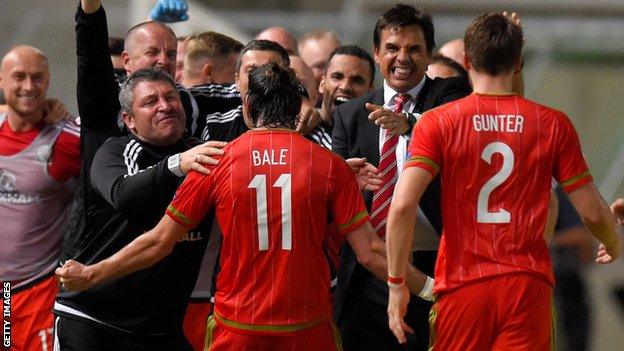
(205, 45)
(493, 44)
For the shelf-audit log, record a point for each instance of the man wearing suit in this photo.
(377, 126)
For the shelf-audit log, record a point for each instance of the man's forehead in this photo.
(149, 87)
(339, 63)
(260, 57)
(31, 64)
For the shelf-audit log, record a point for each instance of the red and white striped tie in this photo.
(388, 170)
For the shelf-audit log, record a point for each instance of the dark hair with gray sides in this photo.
(126, 97)
(272, 98)
(263, 45)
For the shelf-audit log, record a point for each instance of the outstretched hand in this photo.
(393, 123)
(75, 276)
(170, 11)
(617, 208)
(367, 175)
(397, 308)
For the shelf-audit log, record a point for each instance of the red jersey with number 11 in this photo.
(496, 156)
(274, 193)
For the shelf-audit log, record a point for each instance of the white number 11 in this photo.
(259, 183)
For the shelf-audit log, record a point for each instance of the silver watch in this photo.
(173, 163)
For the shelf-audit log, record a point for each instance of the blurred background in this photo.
(574, 61)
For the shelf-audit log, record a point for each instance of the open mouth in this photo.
(402, 71)
(341, 100)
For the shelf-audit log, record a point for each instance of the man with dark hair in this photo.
(377, 126)
(273, 283)
(444, 67)
(132, 178)
(210, 58)
(350, 73)
(493, 252)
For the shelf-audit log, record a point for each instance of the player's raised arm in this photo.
(599, 220)
(143, 252)
(401, 222)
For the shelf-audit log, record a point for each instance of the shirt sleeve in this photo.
(192, 200)
(66, 154)
(570, 167)
(346, 203)
(425, 149)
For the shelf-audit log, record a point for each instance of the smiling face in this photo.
(347, 77)
(151, 46)
(24, 78)
(402, 56)
(157, 115)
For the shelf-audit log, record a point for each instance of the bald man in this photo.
(281, 36)
(39, 163)
(454, 50)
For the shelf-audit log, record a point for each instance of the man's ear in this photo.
(125, 58)
(207, 71)
(467, 64)
(128, 121)
(321, 87)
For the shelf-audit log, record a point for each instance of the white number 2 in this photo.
(502, 216)
(259, 183)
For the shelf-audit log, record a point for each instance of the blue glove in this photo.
(169, 11)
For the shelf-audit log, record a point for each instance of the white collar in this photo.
(389, 93)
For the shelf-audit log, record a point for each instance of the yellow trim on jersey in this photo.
(433, 315)
(553, 327)
(284, 328)
(355, 219)
(337, 338)
(211, 324)
(426, 161)
(179, 215)
(571, 181)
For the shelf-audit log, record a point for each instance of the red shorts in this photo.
(31, 316)
(195, 323)
(508, 312)
(323, 336)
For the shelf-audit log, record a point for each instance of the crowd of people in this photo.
(219, 195)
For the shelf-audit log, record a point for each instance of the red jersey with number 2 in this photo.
(274, 193)
(496, 155)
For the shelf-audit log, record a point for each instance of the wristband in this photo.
(395, 282)
(427, 291)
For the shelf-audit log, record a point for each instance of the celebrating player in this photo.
(496, 154)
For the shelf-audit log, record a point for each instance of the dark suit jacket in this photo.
(355, 136)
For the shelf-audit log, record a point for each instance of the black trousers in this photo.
(76, 335)
(364, 324)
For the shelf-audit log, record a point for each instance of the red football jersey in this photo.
(496, 156)
(274, 194)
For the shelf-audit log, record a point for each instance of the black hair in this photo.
(404, 15)
(272, 96)
(354, 50)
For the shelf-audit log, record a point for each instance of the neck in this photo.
(487, 84)
(23, 123)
